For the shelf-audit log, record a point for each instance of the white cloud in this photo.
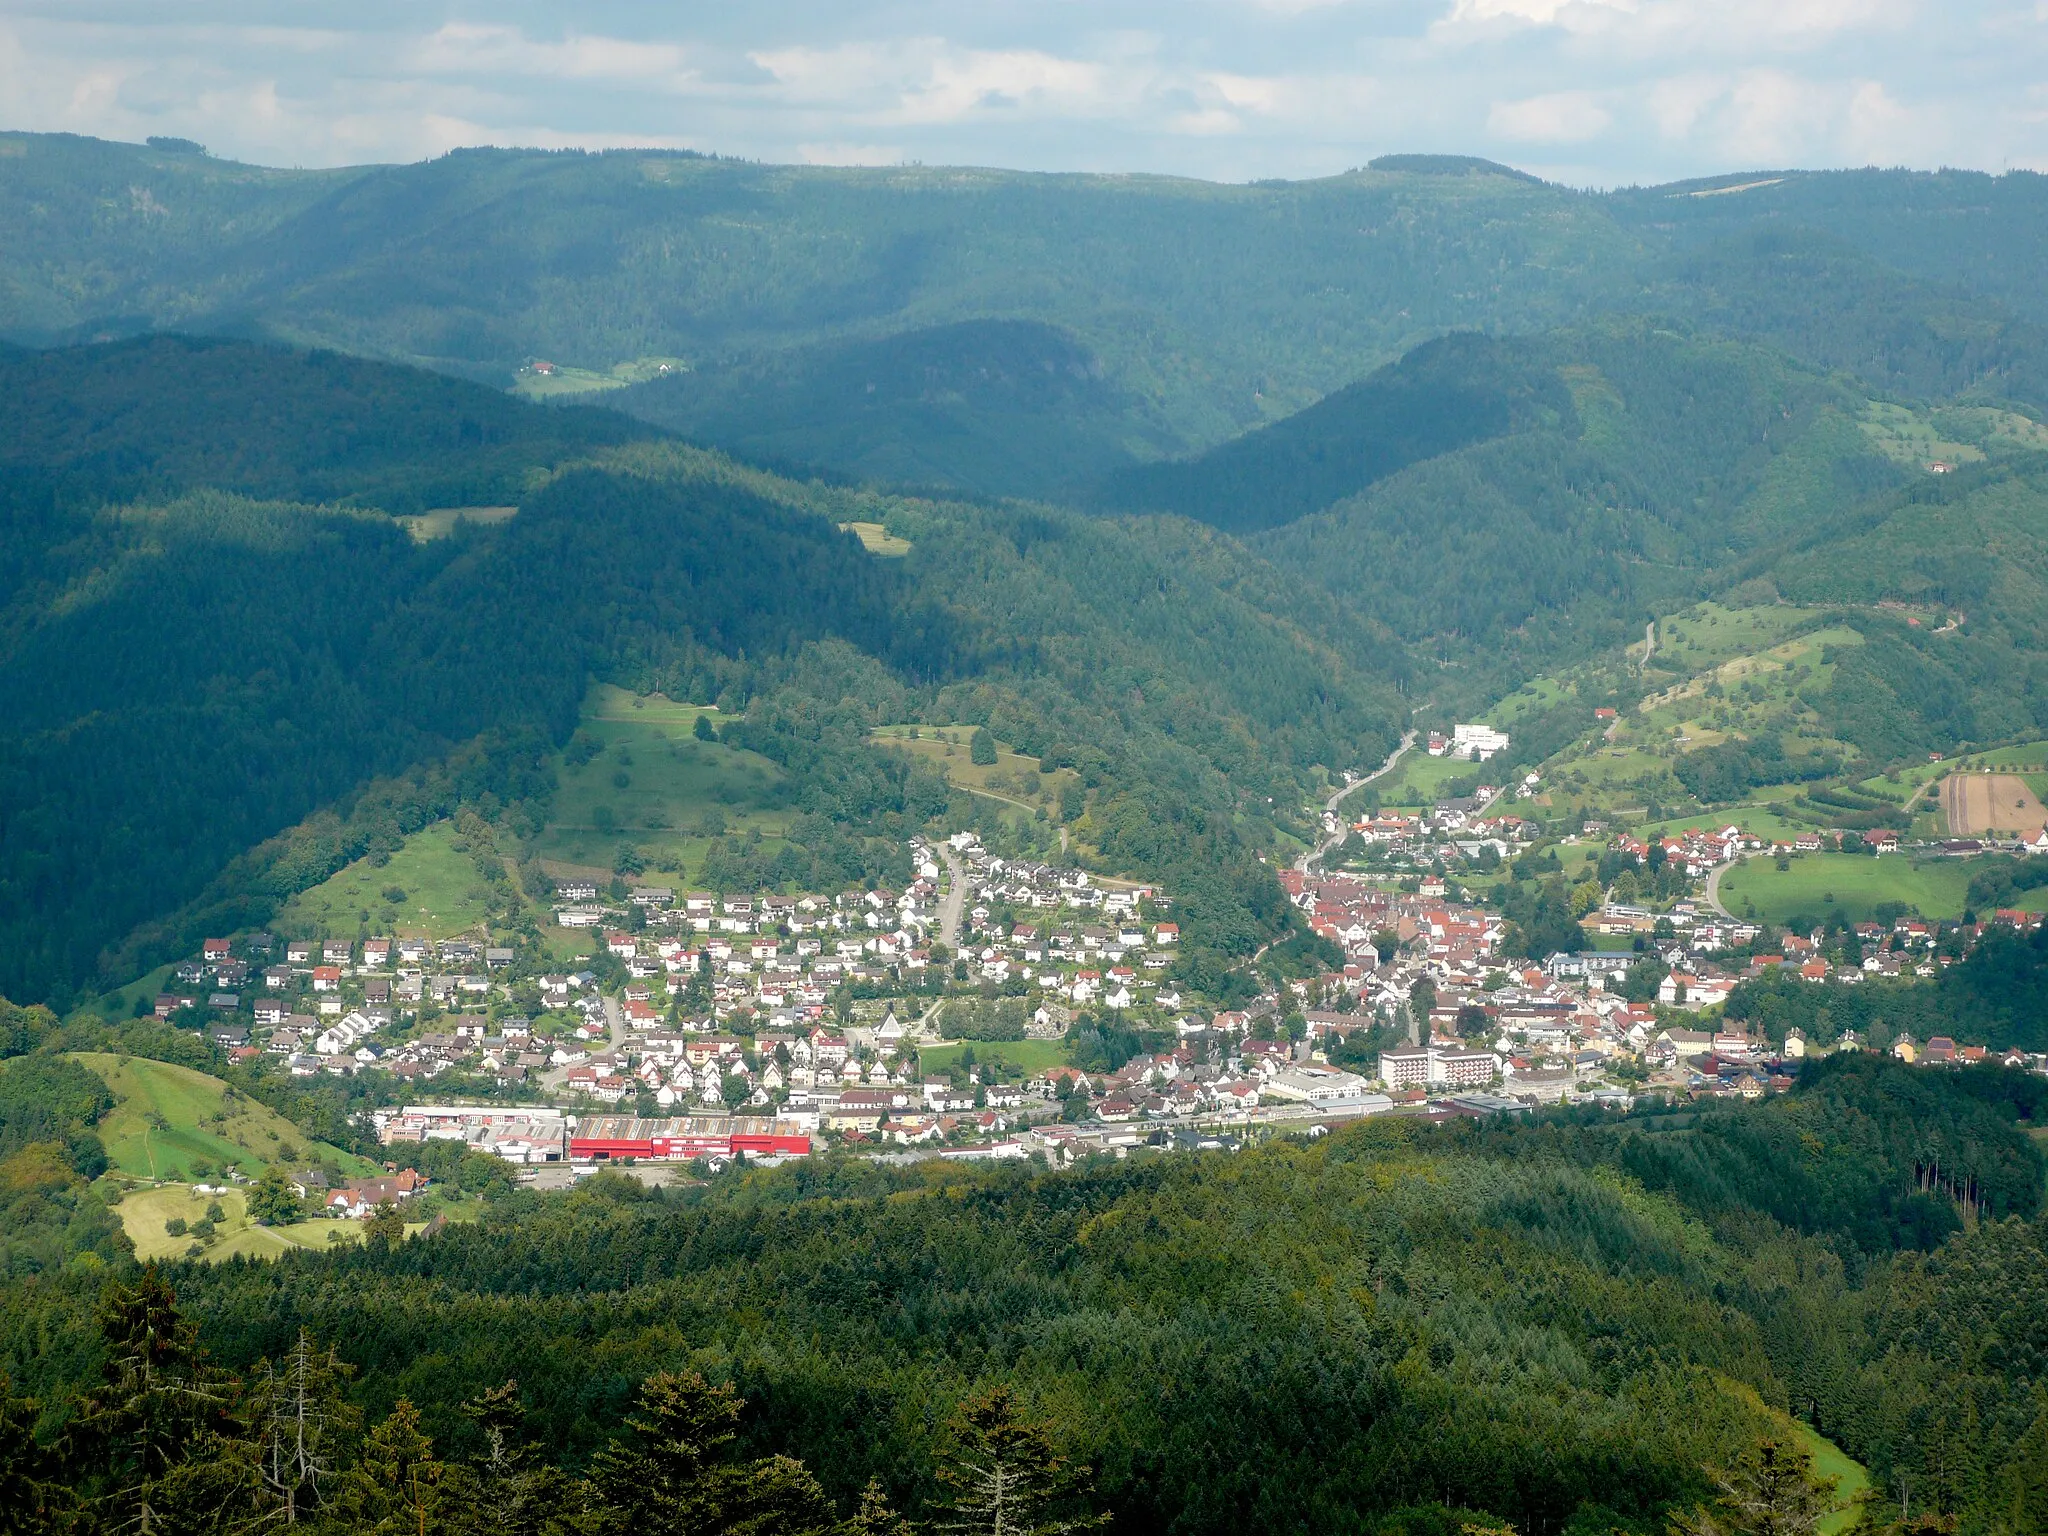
(850, 154)
(1542, 13)
(462, 48)
(1636, 89)
(1563, 117)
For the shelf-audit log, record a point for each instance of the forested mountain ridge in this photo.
(1216, 305)
(1214, 308)
(288, 656)
(1441, 397)
(158, 415)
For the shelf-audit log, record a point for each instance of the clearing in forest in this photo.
(439, 523)
(1979, 803)
(170, 1122)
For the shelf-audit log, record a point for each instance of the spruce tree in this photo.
(874, 1517)
(504, 1491)
(675, 1474)
(1007, 1479)
(1770, 1491)
(29, 1498)
(300, 1414)
(394, 1489)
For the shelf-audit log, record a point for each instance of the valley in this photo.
(634, 783)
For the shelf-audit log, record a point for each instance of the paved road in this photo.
(1330, 805)
(615, 1017)
(956, 898)
(1714, 888)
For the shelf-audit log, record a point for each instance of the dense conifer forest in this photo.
(1558, 1325)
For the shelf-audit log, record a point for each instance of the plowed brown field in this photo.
(1980, 803)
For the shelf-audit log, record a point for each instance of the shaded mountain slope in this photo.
(1003, 407)
(1443, 396)
(162, 414)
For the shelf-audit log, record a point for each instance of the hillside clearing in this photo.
(172, 1123)
(439, 523)
(645, 777)
(877, 540)
(427, 887)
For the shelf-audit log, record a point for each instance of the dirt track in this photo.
(1975, 804)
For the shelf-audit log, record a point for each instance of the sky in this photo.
(1589, 92)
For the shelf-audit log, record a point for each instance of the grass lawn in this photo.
(170, 1118)
(654, 784)
(1710, 635)
(1858, 885)
(426, 888)
(1420, 779)
(144, 1213)
(1027, 1056)
(1851, 1480)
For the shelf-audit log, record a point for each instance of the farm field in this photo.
(652, 782)
(1027, 1056)
(1975, 804)
(2027, 758)
(1818, 885)
(427, 887)
(174, 1123)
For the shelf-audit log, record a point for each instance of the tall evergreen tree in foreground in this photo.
(1006, 1478)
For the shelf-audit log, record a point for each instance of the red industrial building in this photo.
(617, 1136)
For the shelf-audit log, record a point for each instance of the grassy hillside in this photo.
(1013, 779)
(636, 771)
(424, 886)
(172, 1123)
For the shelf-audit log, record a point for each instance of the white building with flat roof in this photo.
(1477, 742)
